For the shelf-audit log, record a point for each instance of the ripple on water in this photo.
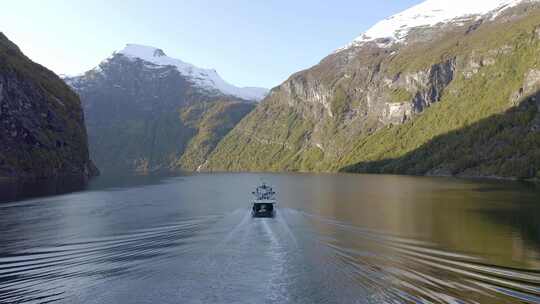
(41, 274)
(418, 272)
(296, 257)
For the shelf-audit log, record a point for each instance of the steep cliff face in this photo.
(42, 131)
(144, 116)
(337, 114)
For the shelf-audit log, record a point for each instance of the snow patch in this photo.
(207, 79)
(430, 13)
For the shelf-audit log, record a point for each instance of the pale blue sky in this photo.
(249, 42)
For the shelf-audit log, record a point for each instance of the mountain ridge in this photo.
(394, 29)
(148, 115)
(338, 112)
(43, 134)
(206, 79)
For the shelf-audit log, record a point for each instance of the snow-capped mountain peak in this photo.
(207, 79)
(430, 13)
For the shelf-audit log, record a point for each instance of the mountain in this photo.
(443, 88)
(205, 79)
(146, 111)
(42, 131)
(430, 14)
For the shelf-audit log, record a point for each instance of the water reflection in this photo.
(13, 190)
(16, 190)
(336, 239)
(434, 240)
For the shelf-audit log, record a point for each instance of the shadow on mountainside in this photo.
(505, 145)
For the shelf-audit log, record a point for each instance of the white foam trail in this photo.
(284, 224)
(236, 229)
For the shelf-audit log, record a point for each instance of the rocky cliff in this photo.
(146, 111)
(450, 96)
(42, 131)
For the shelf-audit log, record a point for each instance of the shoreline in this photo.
(30, 178)
(86, 178)
(462, 177)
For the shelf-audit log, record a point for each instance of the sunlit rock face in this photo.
(378, 97)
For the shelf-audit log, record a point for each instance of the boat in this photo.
(265, 201)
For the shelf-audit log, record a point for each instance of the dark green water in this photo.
(335, 239)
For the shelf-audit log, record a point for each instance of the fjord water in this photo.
(335, 239)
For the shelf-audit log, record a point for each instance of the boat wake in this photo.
(44, 274)
(295, 257)
(402, 270)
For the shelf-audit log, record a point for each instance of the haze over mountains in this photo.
(147, 111)
(443, 88)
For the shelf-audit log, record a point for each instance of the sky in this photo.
(249, 42)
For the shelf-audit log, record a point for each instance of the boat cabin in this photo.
(264, 202)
